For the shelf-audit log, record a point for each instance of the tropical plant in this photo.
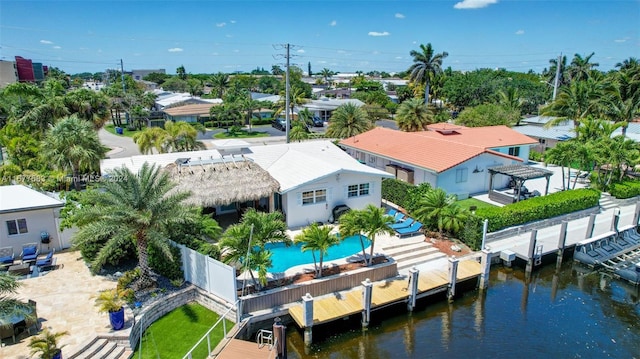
(46, 344)
(8, 304)
(134, 207)
(581, 67)
(348, 120)
(575, 102)
(374, 222)
(326, 75)
(149, 139)
(350, 224)
(426, 65)
(432, 207)
(220, 83)
(182, 136)
(299, 132)
(110, 300)
(316, 238)
(89, 105)
(414, 115)
(73, 145)
(453, 219)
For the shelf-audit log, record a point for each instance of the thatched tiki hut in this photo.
(227, 184)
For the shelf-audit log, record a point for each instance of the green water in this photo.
(560, 313)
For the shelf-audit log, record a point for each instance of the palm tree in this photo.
(580, 67)
(561, 154)
(149, 139)
(326, 75)
(351, 225)
(299, 132)
(260, 261)
(220, 83)
(319, 239)
(414, 115)
(426, 64)
(621, 103)
(628, 64)
(374, 222)
(89, 105)
(181, 137)
(306, 116)
(575, 102)
(73, 145)
(9, 305)
(432, 206)
(453, 218)
(550, 75)
(46, 344)
(348, 120)
(136, 207)
(511, 100)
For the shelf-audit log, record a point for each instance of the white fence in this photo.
(208, 274)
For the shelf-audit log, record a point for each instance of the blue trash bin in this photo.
(119, 130)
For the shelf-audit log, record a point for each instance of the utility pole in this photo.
(124, 90)
(287, 88)
(557, 80)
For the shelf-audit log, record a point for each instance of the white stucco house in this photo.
(26, 213)
(312, 176)
(454, 158)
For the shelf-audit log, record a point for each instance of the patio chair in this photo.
(407, 231)
(29, 252)
(392, 212)
(404, 224)
(6, 256)
(399, 217)
(46, 261)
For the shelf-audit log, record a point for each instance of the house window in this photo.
(357, 190)
(514, 151)
(372, 159)
(17, 226)
(461, 175)
(316, 196)
(542, 140)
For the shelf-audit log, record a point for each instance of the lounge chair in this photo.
(46, 261)
(399, 217)
(29, 252)
(404, 224)
(392, 212)
(6, 256)
(407, 231)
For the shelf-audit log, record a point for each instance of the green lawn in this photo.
(466, 203)
(127, 133)
(240, 134)
(175, 333)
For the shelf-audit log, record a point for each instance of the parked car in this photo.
(317, 121)
(280, 123)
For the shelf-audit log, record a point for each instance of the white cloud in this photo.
(520, 32)
(175, 49)
(46, 42)
(474, 4)
(221, 24)
(398, 57)
(57, 47)
(342, 52)
(621, 40)
(301, 51)
(232, 21)
(375, 33)
(228, 36)
(414, 42)
(333, 23)
(399, 15)
(322, 62)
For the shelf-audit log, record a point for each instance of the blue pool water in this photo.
(284, 257)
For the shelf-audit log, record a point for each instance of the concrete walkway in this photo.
(121, 146)
(65, 302)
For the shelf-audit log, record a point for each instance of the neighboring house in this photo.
(167, 99)
(139, 75)
(534, 127)
(324, 107)
(303, 180)
(189, 113)
(8, 73)
(24, 215)
(454, 158)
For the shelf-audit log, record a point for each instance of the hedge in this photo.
(538, 208)
(626, 189)
(396, 191)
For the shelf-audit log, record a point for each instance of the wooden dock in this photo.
(241, 349)
(384, 293)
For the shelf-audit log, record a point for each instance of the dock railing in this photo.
(207, 335)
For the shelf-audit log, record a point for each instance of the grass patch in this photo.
(126, 132)
(240, 134)
(467, 203)
(175, 333)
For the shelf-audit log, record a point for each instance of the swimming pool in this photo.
(284, 257)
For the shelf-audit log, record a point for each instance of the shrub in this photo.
(261, 121)
(538, 208)
(535, 156)
(625, 189)
(396, 191)
(208, 124)
(168, 268)
(127, 278)
(472, 233)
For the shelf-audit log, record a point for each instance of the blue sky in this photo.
(344, 36)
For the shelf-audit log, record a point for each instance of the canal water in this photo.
(565, 312)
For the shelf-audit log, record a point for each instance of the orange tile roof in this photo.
(194, 109)
(433, 150)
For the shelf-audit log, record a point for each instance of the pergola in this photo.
(519, 173)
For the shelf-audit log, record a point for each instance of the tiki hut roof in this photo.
(234, 179)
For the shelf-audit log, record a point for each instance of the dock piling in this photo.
(307, 315)
(531, 252)
(280, 338)
(562, 240)
(367, 288)
(485, 267)
(413, 288)
(590, 225)
(615, 220)
(453, 276)
(636, 214)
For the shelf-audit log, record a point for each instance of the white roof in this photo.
(292, 165)
(18, 198)
(326, 103)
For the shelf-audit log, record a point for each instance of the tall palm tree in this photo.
(550, 75)
(629, 63)
(348, 120)
(139, 207)
(260, 262)
(351, 225)
(426, 64)
(319, 239)
(220, 83)
(575, 102)
(580, 67)
(414, 115)
(326, 75)
(181, 137)
(73, 145)
(432, 205)
(621, 103)
(562, 154)
(374, 222)
(510, 99)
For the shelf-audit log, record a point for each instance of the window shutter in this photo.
(329, 195)
(299, 198)
(371, 187)
(346, 192)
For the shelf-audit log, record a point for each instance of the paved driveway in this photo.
(121, 146)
